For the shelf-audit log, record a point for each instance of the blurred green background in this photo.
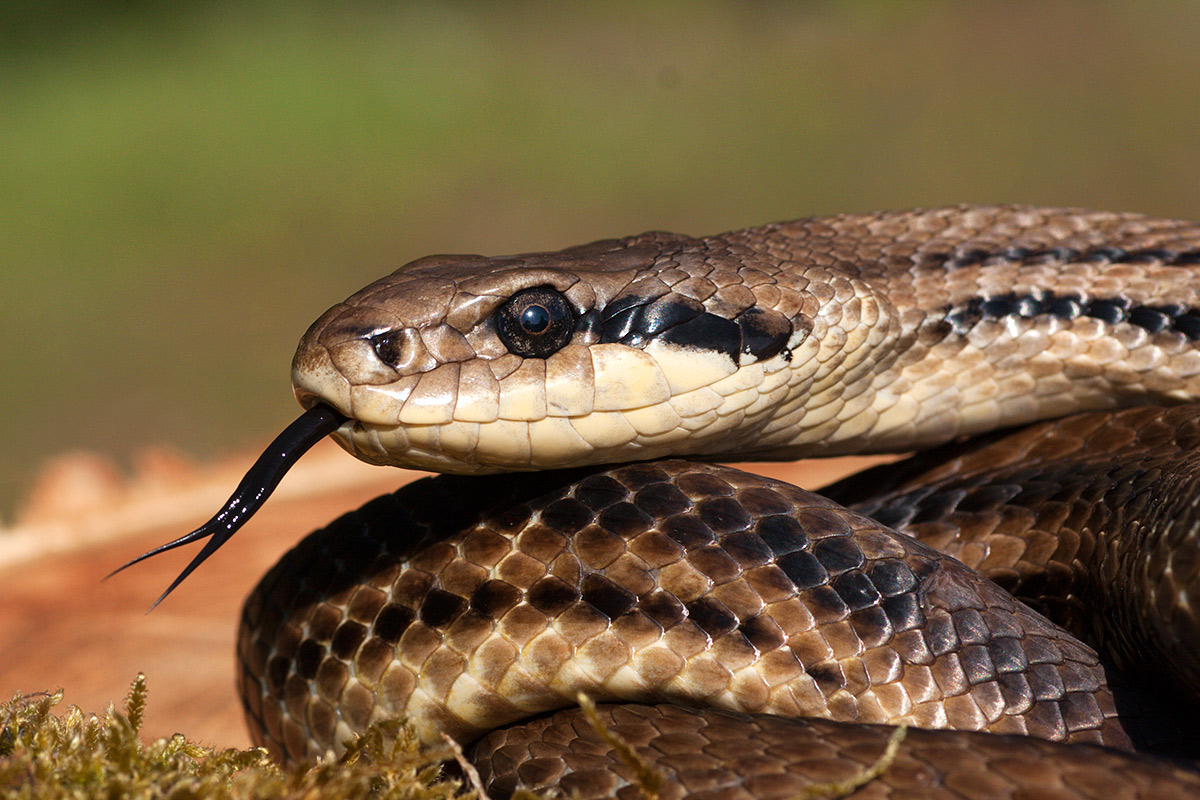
(185, 188)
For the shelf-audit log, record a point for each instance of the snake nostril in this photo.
(307, 399)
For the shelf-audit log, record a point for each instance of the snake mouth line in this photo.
(255, 487)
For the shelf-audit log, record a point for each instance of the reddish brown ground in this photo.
(60, 627)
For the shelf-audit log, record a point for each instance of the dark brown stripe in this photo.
(1173, 317)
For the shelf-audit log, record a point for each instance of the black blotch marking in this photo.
(1189, 324)
(932, 507)
(621, 305)
(1063, 307)
(764, 333)
(552, 595)
(619, 326)
(904, 611)
(1151, 319)
(701, 485)
(871, 625)
(936, 259)
(567, 515)
(662, 500)
(856, 590)
(707, 332)
(1104, 254)
(826, 604)
(763, 502)
(440, 608)
(624, 320)
(763, 633)
(662, 607)
(666, 313)
(714, 563)
(1054, 254)
(393, 621)
(724, 514)
(625, 520)
(712, 616)
(892, 577)
(1148, 255)
(597, 492)
(322, 623)
(346, 640)
(838, 554)
(689, 532)
(782, 534)
(308, 659)
(277, 672)
(638, 476)
(494, 598)
(746, 548)
(968, 258)
(1111, 310)
(996, 307)
(803, 569)
(511, 519)
(1064, 255)
(411, 587)
(607, 597)
(986, 498)
(897, 516)
(828, 676)
(587, 325)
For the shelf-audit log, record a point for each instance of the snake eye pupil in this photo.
(535, 319)
(388, 347)
(535, 323)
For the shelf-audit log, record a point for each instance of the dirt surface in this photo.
(60, 627)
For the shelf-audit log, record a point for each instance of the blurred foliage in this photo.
(79, 756)
(186, 186)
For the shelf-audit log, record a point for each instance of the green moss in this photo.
(80, 755)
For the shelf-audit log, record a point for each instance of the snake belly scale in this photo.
(465, 602)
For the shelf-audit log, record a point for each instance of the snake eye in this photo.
(535, 323)
(388, 347)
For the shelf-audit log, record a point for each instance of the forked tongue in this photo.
(260, 480)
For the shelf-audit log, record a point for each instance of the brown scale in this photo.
(715, 755)
(1089, 519)
(717, 586)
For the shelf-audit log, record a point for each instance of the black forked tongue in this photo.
(260, 480)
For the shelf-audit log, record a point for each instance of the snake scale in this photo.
(473, 600)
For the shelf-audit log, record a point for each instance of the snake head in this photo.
(616, 351)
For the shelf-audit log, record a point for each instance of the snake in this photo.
(745, 637)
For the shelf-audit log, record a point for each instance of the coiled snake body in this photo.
(463, 602)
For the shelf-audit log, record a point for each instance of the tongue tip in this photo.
(256, 486)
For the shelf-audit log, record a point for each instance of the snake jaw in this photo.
(256, 486)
